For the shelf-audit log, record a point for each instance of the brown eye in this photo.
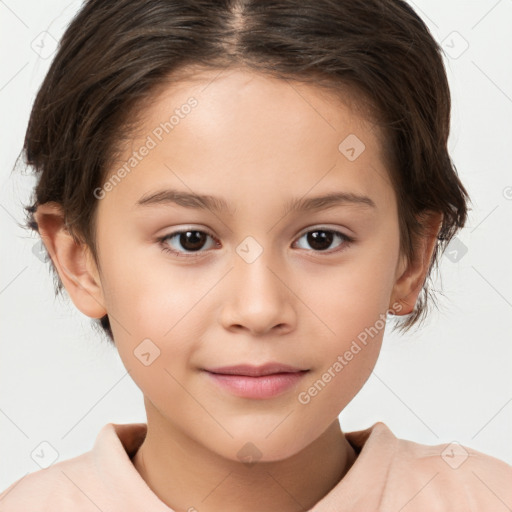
(322, 239)
(183, 242)
(192, 240)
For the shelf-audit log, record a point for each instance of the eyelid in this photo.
(323, 227)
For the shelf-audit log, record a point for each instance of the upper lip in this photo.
(255, 371)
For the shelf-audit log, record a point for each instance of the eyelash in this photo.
(165, 247)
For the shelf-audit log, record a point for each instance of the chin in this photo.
(253, 449)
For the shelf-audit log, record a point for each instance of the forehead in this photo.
(217, 128)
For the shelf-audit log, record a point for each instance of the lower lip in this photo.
(265, 386)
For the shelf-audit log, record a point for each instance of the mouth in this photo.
(256, 382)
(248, 370)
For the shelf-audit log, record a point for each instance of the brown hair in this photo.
(115, 55)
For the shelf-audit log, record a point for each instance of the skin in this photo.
(256, 142)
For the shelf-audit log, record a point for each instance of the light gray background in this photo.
(449, 382)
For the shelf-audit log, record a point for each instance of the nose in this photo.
(258, 298)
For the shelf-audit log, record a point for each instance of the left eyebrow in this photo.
(218, 204)
(328, 201)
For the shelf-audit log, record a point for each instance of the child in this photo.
(266, 130)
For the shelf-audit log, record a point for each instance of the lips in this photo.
(256, 382)
(255, 371)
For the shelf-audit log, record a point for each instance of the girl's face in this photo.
(268, 272)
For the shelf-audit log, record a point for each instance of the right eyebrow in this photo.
(185, 199)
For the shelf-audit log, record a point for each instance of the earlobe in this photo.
(411, 277)
(72, 260)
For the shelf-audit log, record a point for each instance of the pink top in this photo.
(389, 475)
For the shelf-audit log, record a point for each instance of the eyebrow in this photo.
(218, 204)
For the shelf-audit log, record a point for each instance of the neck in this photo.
(186, 476)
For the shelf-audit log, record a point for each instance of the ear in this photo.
(73, 261)
(410, 279)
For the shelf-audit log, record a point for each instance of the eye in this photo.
(321, 239)
(192, 240)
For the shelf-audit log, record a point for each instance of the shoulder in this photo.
(91, 481)
(54, 488)
(442, 477)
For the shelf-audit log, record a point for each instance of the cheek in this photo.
(145, 293)
(370, 274)
(347, 357)
(150, 341)
(147, 308)
(353, 295)
(351, 303)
